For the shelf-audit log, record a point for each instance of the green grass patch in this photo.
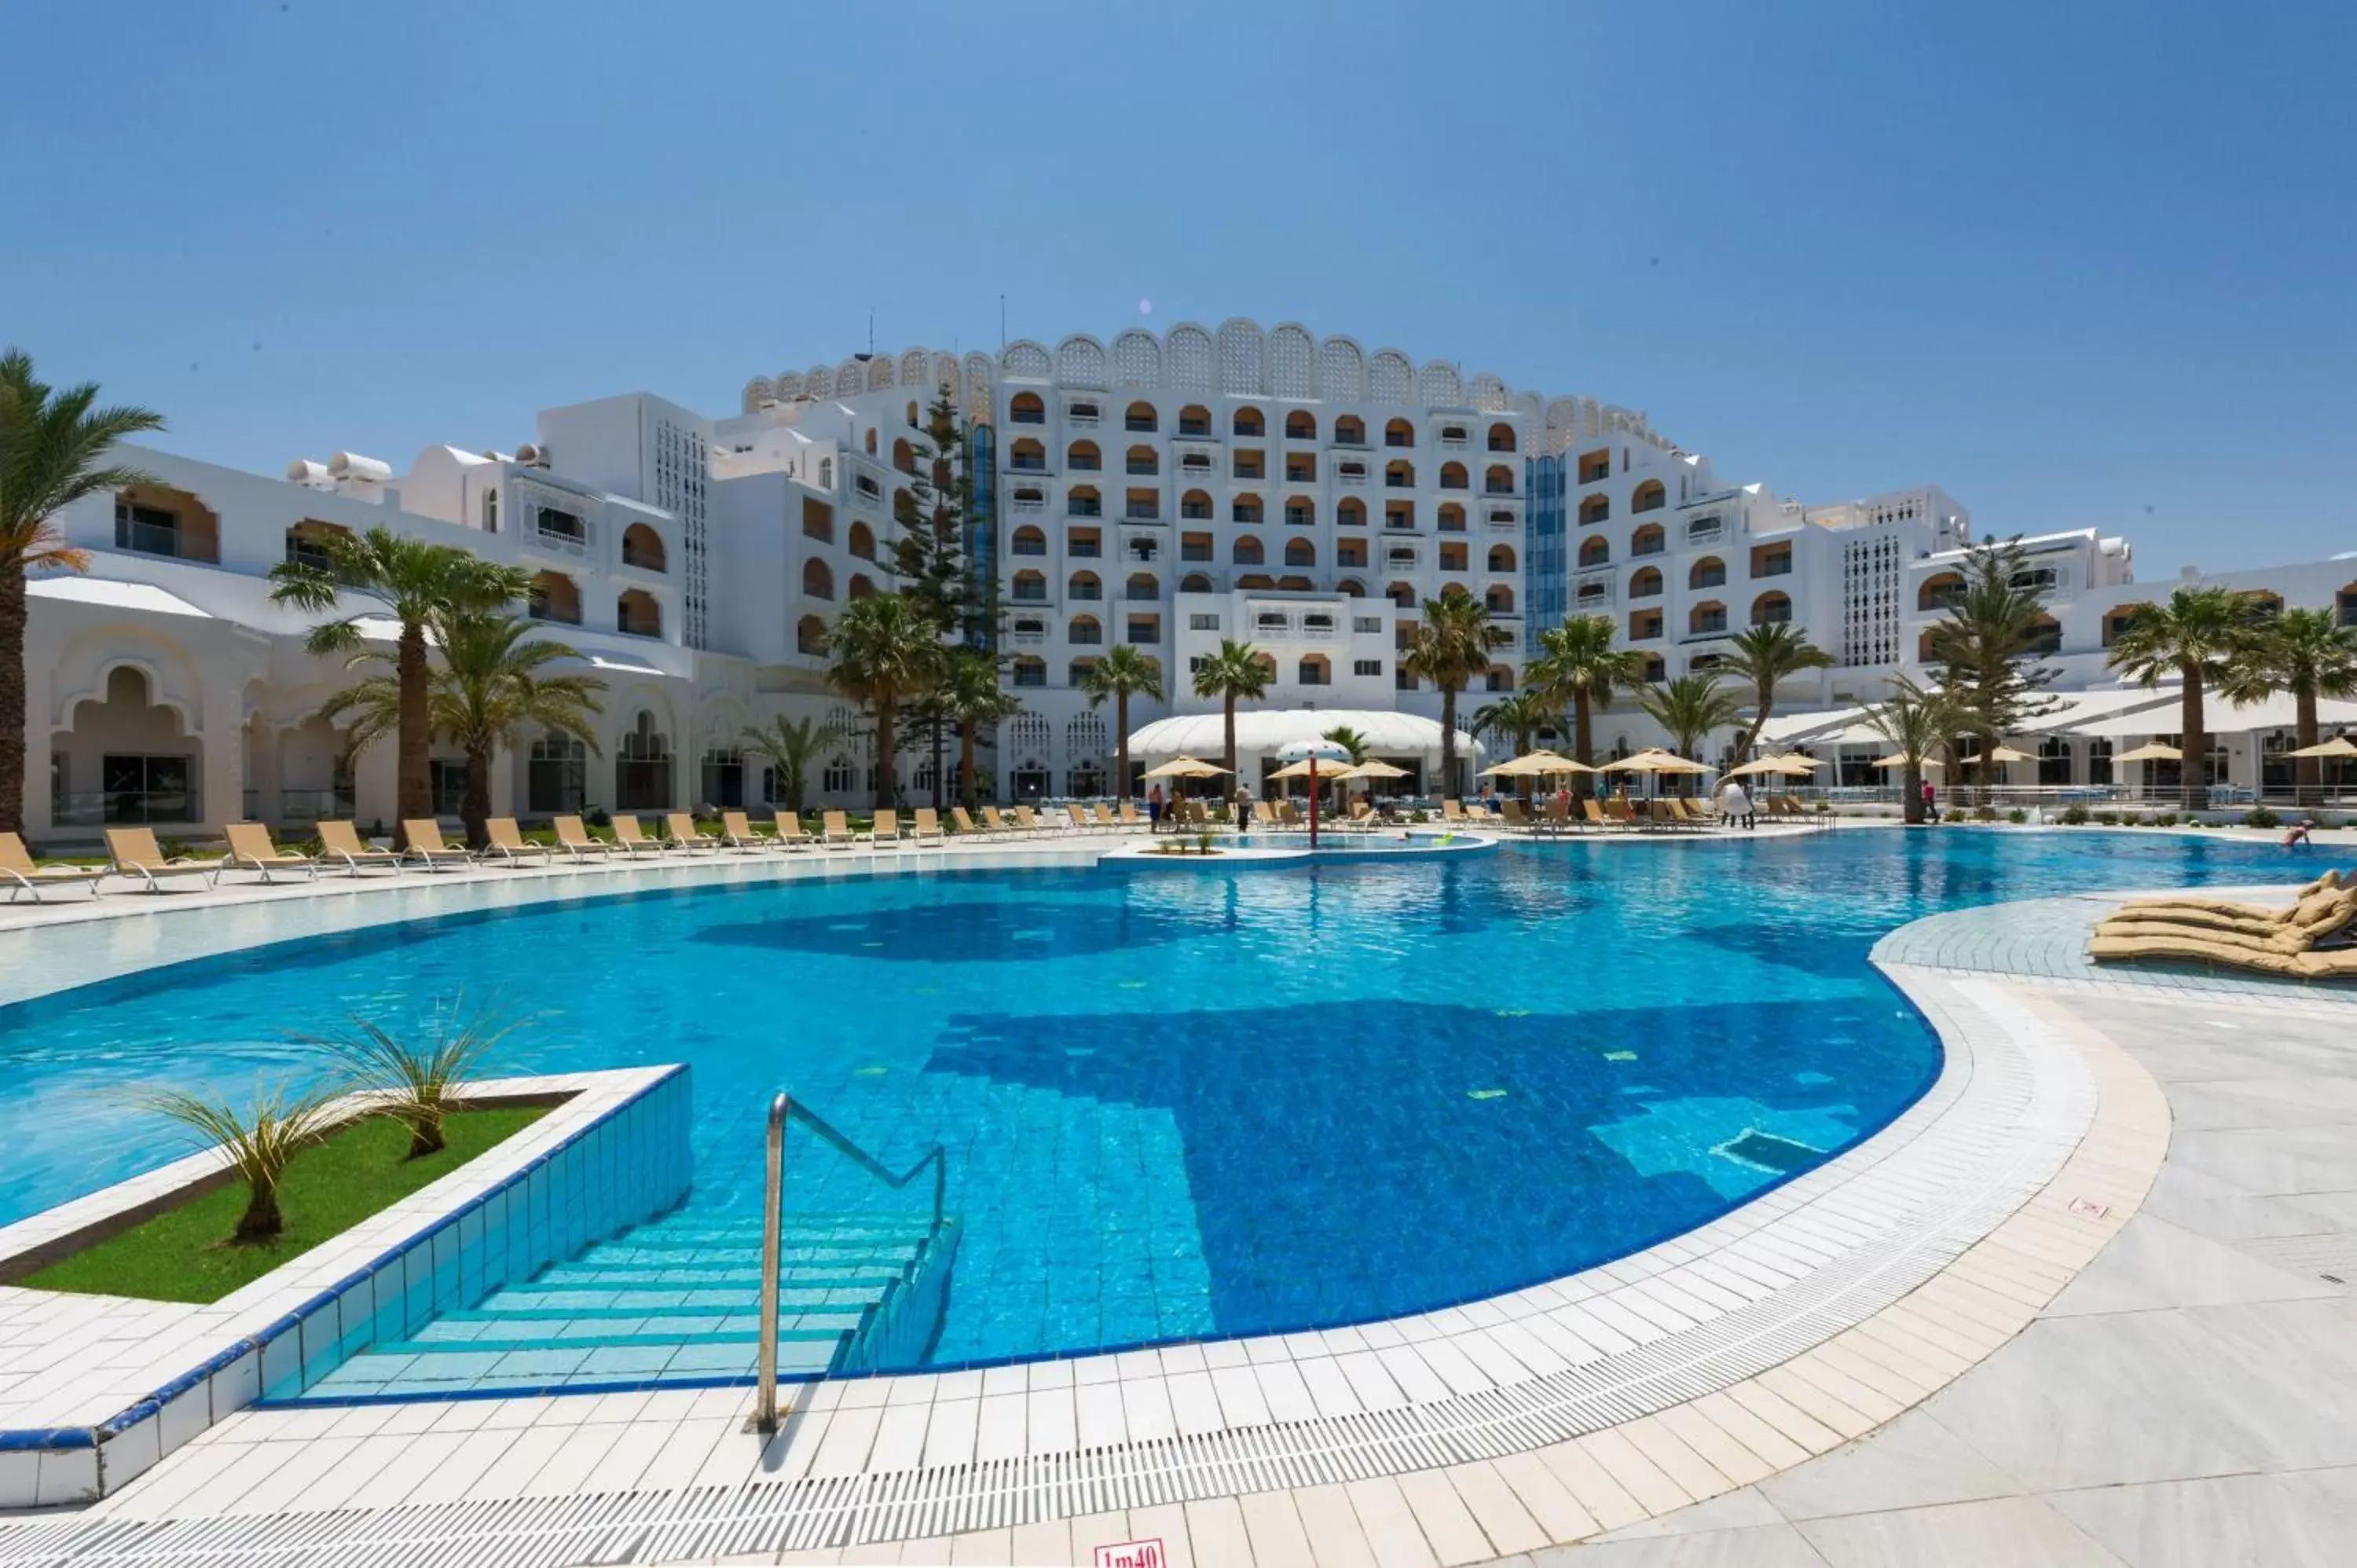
(185, 1254)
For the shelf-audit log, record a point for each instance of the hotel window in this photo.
(1202, 623)
(1366, 667)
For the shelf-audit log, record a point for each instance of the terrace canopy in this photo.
(1409, 739)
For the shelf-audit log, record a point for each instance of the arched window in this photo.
(1501, 558)
(904, 457)
(1500, 599)
(1141, 417)
(1195, 505)
(1402, 594)
(1028, 670)
(1247, 421)
(1246, 552)
(1399, 432)
(1501, 678)
(1771, 610)
(1027, 540)
(554, 597)
(1194, 583)
(1453, 477)
(1301, 425)
(1595, 509)
(1649, 540)
(1084, 586)
(1025, 408)
(1651, 496)
(1244, 508)
(1501, 437)
(1595, 550)
(1944, 591)
(810, 634)
(861, 541)
(1194, 420)
(1314, 670)
(859, 587)
(1142, 587)
(1301, 552)
(638, 614)
(1707, 573)
(1351, 589)
(818, 583)
(1030, 587)
(1350, 430)
(1452, 518)
(1706, 617)
(1645, 583)
(871, 441)
(1399, 473)
(1027, 456)
(1498, 480)
(1256, 582)
(1350, 512)
(1141, 460)
(1084, 631)
(1085, 456)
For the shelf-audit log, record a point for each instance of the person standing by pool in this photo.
(1154, 810)
(1930, 804)
(1734, 805)
(1243, 808)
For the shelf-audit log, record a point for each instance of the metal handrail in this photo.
(781, 1109)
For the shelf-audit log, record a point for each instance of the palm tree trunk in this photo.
(2191, 773)
(413, 773)
(12, 699)
(936, 728)
(261, 1220)
(1767, 697)
(1229, 717)
(1121, 718)
(1910, 804)
(1448, 742)
(2308, 771)
(475, 811)
(965, 765)
(886, 711)
(1581, 751)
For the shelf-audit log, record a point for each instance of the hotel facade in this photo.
(1303, 494)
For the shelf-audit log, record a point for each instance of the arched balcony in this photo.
(1196, 506)
(1084, 587)
(1027, 540)
(1083, 501)
(1025, 408)
(1402, 593)
(1195, 420)
(1029, 588)
(1771, 610)
(1497, 480)
(1501, 558)
(1500, 678)
(1314, 670)
(1501, 437)
(904, 457)
(554, 597)
(1300, 511)
(1301, 425)
(1246, 552)
(307, 542)
(1649, 496)
(1651, 539)
(1453, 477)
(1245, 509)
(1141, 460)
(1027, 670)
(1451, 518)
(809, 636)
(861, 541)
(1706, 618)
(1399, 432)
(1710, 572)
(1645, 583)
(1142, 418)
(1083, 457)
(1351, 552)
(1301, 552)
(1084, 631)
(1349, 512)
(1941, 590)
(1249, 421)
(1350, 430)
(818, 581)
(1027, 456)
(1595, 510)
(1143, 588)
(859, 587)
(638, 614)
(1351, 589)
(1399, 473)
(1595, 550)
(1499, 600)
(1195, 583)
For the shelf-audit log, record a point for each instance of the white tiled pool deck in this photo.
(1595, 1403)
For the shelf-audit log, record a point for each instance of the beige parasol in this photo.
(1654, 760)
(1185, 768)
(1373, 767)
(1798, 763)
(1536, 765)
(2005, 754)
(1301, 769)
(1778, 765)
(2338, 746)
(1899, 760)
(2156, 752)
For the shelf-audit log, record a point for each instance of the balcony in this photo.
(1296, 475)
(1453, 439)
(1028, 464)
(160, 539)
(1028, 639)
(1025, 594)
(1142, 511)
(1076, 507)
(1494, 488)
(1141, 595)
(1084, 550)
(1027, 416)
(1195, 512)
(1712, 630)
(1505, 520)
(1027, 547)
(1035, 504)
(1397, 482)
(1195, 430)
(1085, 593)
(1080, 463)
(1081, 414)
(1702, 532)
(1142, 424)
(1350, 474)
(1776, 566)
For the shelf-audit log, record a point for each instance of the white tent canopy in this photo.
(2218, 716)
(1260, 732)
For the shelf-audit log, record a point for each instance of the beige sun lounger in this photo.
(964, 822)
(928, 826)
(1079, 816)
(681, 829)
(631, 840)
(1028, 820)
(884, 828)
(2329, 882)
(1558, 815)
(137, 856)
(24, 875)
(340, 841)
(2338, 964)
(993, 821)
(509, 844)
(1593, 813)
(1105, 820)
(2312, 920)
(251, 848)
(837, 833)
(576, 840)
(791, 834)
(425, 836)
(1452, 809)
(737, 832)
(1129, 817)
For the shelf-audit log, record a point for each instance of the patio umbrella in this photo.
(1654, 760)
(1768, 765)
(2005, 754)
(1536, 765)
(1375, 768)
(2156, 752)
(1307, 755)
(2338, 746)
(1899, 760)
(1793, 762)
(1185, 768)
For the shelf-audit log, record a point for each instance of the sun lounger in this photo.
(884, 829)
(342, 842)
(251, 848)
(1593, 814)
(1028, 820)
(681, 829)
(835, 831)
(1288, 814)
(1104, 817)
(426, 845)
(137, 856)
(632, 841)
(1559, 816)
(509, 844)
(2193, 947)
(22, 875)
(2329, 881)
(1129, 817)
(928, 826)
(791, 834)
(737, 832)
(966, 826)
(2315, 918)
(1078, 817)
(1452, 811)
(1516, 818)
(577, 842)
(996, 823)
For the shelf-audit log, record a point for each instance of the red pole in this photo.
(1313, 801)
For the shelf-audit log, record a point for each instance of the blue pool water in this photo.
(1175, 1105)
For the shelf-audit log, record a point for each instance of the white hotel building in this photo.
(1304, 495)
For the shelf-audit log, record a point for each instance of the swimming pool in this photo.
(1174, 1107)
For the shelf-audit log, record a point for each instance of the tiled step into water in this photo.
(678, 1302)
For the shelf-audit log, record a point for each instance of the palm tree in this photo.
(1765, 655)
(1516, 719)
(1453, 645)
(1917, 722)
(1987, 648)
(1121, 673)
(788, 746)
(1690, 707)
(412, 581)
(491, 684)
(2309, 654)
(972, 696)
(52, 445)
(2200, 635)
(1350, 740)
(257, 1142)
(1234, 672)
(1577, 666)
(886, 651)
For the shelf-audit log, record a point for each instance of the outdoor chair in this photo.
(577, 842)
(251, 848)
(508, 842)
(791, 834)
(137, 856)
(340, 841)
(928, 826)
(22, 875)
(680, 827)
(631, 840)
(739, 832)
(426, 845)
(835, 831)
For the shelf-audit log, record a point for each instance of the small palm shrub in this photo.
(2166, 820)
(2074, 815)
(414, 1082)
(258, 1140)
(2017, 816)
(1984, 814)
(2261, 817)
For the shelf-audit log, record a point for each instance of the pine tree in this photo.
(933, 569)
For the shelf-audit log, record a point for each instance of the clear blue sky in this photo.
(2084, 263)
